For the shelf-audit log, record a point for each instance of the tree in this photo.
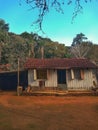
(16, 48)
(44, 6)
(4, 26)
(35, 44)
(79, 39)
(93, 53)
(80, 46)
(4, 38)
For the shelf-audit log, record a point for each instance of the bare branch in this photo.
(44, 6)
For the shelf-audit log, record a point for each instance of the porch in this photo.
(60, 93)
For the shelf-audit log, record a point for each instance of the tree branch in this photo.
(44, 6)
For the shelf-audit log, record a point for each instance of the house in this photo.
(70, 74)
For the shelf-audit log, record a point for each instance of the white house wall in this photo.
(50, 82)
(86, 83)
(52, 78)
(31, 80)
(76, 84)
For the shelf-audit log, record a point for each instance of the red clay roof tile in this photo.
(58, 63)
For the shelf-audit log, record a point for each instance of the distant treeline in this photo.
(27, 45)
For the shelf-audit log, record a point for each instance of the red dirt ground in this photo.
(48, 112)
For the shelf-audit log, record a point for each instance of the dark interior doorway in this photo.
(61, 74)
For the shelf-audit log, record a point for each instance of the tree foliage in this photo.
(80, 46)
(4, 26)
(30, 45)
(79, 39)
(17, 47)
(93, 53)
(4, 38)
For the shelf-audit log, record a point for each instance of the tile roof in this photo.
(59, 63)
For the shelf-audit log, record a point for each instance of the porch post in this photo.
(19, 88)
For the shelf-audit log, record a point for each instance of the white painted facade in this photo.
(74, 83)
(79, 83)
(51, 78)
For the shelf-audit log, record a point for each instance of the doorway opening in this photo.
(61, 74)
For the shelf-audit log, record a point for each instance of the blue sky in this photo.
(57, 27)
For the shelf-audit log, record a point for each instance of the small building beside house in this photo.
(63, 74)
(9, 79)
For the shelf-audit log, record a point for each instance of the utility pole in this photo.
(18, 72)
(19, 88)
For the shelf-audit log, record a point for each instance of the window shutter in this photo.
(35, 74)
(72, 74)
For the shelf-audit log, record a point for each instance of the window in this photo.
(41, 74)
(79, 74)
(76, 74)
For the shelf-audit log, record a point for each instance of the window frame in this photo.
(41, 74)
